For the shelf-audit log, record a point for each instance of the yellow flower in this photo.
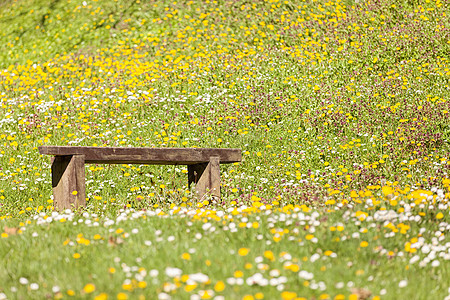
(288, 295)
(186, 256)
(122, 296)
(353, 297)
(238, 274)
(76, 255)
(220, 286)
(89, 288)
(74, 193)
(269, 255)
(364, 244)
(439, 215)
(190, 287)
(102, 296)
(259, 296)
(243, 251)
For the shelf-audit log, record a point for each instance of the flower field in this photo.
(341, 109)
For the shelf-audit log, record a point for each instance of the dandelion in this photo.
(122, 296)
(102, 296)
(219, 286)
(243, 251)
(89, 288)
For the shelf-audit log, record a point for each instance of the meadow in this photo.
(341, 109)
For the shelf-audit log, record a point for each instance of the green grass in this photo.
(341, 109)
(284, 244)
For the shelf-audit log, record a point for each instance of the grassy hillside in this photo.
(337, 105)
(322, 97)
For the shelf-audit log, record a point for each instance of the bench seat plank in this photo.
(152, 156)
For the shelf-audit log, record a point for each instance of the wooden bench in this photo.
(68, 172)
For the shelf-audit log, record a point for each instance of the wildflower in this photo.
(219, 286)
(243, 251)
(186, 256)
(89, 288)
(173, 272)
(403, 283)
(102, 296)
(122, 296)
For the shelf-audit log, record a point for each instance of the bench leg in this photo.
(68, 181)
(206, 176)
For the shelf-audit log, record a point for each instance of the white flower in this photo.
(3, 296)
(173, 272)
(23, 280)
(426, 249)
(164, 296)
(34, 286)
(355, 235)
(259, 259)
(255, 279)
(435, 263)
(273, 282)
(305, 275)
(339, 285)
(314, 257)
(274, 273)
(199, 277)
(206, 226)
(414, 259)
(403, 283)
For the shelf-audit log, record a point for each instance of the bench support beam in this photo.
(68, 181)
(206, 176)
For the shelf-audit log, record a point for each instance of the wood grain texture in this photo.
(153, 156)
(68, 176)
(206, 176)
